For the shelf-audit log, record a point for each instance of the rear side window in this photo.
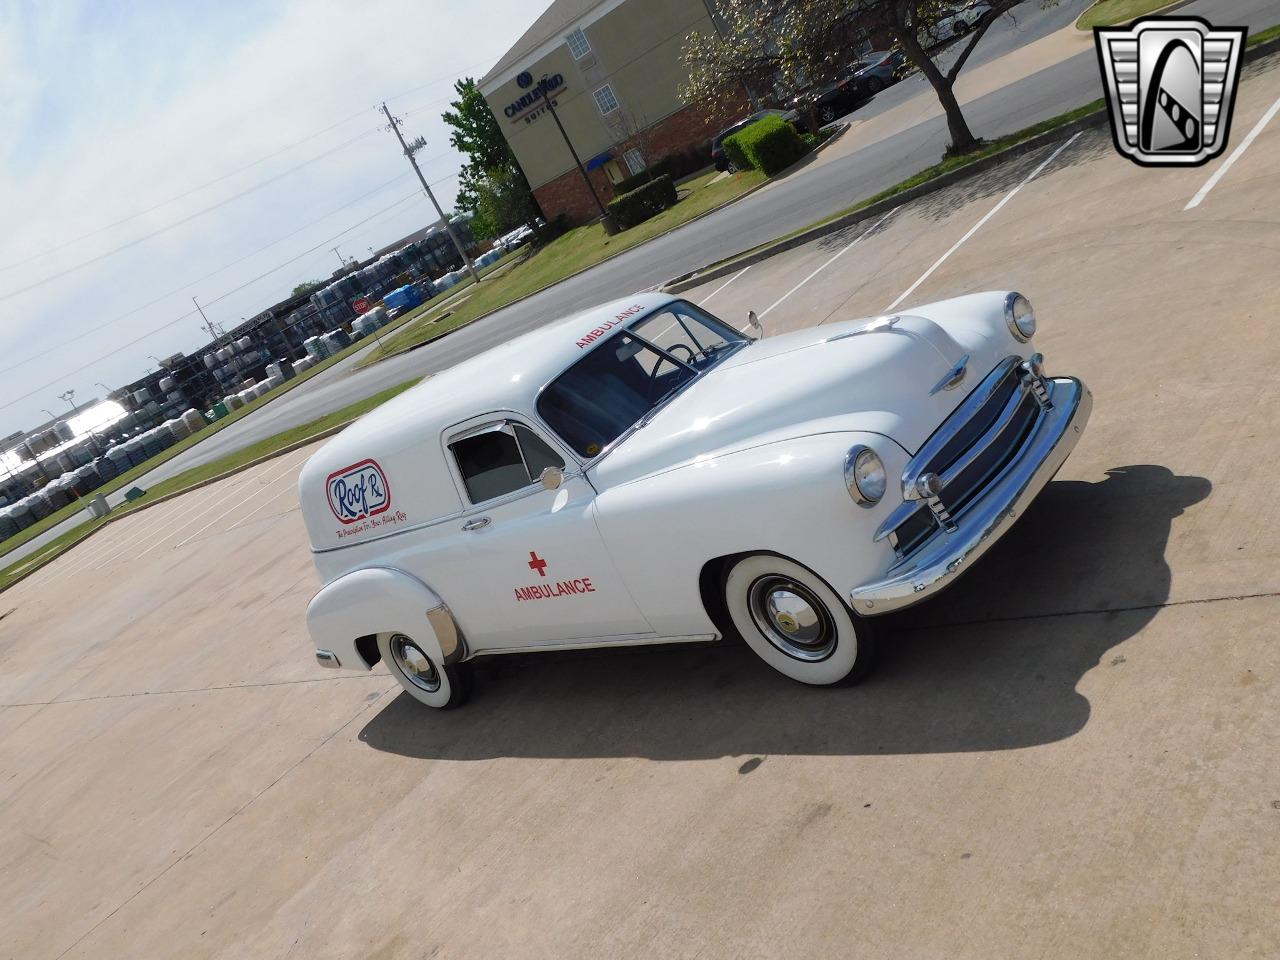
(501, 460)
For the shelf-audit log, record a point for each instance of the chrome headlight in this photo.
(1020, 317)
(865, 476)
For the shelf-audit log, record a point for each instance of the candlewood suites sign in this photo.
(529, 106)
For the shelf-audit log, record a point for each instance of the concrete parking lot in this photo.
(1069, 754)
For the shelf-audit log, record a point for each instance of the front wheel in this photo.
(430, 683)
(795, 622)
(874, 85)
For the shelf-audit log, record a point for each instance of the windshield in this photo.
(618, 383)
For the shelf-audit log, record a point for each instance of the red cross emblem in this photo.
(537, 563)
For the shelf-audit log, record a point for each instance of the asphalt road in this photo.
(786, 206)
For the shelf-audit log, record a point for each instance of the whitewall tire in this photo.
(428, 682)
(795, 622)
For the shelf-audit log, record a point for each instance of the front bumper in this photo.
(944, 556)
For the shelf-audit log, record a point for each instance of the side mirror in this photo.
(551, 478)
(757, 328)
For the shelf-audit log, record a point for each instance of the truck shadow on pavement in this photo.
(992, 664)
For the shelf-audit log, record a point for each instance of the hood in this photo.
(861, 375)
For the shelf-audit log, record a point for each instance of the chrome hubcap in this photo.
(792, 618)
(415, 664)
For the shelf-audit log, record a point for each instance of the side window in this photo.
(501, 460)
(537, 455)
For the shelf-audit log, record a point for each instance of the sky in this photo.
(131, 129)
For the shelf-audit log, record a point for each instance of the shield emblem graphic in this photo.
(1170, 85)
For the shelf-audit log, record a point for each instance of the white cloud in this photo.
(113, 109)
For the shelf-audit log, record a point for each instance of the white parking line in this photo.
(236, 488)
(113, 545)
(842, 252)
(704, 300)
(978, 226)
(155, 520)
(1235, 155)
(266, 483)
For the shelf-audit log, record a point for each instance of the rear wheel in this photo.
(428, 682)
(795, 622)
(874, 85)
(826, 113)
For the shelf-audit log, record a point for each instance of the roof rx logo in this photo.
(1170, 85)
(358, 491)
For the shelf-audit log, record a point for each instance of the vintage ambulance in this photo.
(645, 473)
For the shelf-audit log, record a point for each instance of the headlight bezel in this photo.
(1020, 317)
(864, 491)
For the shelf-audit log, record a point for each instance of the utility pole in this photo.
(341, 259)
(546, 98)
(214, 332)
(409, 151)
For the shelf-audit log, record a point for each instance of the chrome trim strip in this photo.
(936, 563)
(957, 420)
(594, 643)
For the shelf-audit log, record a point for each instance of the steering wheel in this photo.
(653, 374)
(693, 356)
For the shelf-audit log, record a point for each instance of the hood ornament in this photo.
(953, 377)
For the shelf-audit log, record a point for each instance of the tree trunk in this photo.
(962, 139)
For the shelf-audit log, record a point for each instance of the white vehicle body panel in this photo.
(747, 458)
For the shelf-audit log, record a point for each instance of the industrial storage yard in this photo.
(1070, 753)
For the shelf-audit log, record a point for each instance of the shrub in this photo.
(640, 204)
(770, 144)
(734, 151)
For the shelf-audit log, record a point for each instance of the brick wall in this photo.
(685, 128)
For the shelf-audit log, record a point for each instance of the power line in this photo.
(181, 196)
(191, 283)
(10, 294)
(191, 313)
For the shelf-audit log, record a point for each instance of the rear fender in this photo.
(378, 600)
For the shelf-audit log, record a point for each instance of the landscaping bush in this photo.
(676, 165)
(769, 145)
(640, 204)
(734, 152)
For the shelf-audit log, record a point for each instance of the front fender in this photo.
(377, 600)
(786, 497)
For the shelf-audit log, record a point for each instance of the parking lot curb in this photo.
(881, 207)
(111, 518)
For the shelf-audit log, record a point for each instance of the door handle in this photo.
(476, 524)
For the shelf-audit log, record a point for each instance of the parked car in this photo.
(958, 22)
(862, 79)
(646, 473)
(718, 156)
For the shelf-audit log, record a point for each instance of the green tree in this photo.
(492, 187)
(307, 286)
(809, 43)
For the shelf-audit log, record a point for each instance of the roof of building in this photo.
(553, 22)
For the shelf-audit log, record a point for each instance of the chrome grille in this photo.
(967, 452)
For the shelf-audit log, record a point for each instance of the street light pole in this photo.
(409, 151)
(546, 98)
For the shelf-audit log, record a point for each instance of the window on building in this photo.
(578, 45)
(605, 99)
(635, 161)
